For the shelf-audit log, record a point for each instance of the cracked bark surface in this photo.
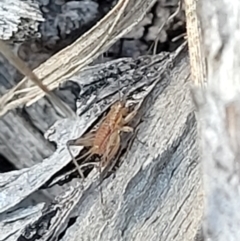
(34, 121)
(155, 193)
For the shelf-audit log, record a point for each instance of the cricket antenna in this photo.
(121, 97)
(119, 92)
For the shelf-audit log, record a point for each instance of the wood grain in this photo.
(196, 53)
(155, 194)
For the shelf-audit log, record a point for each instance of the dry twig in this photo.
(197, 59)
(25, 70)
(171, 17)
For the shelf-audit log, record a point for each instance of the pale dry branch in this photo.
(196, 54)
(118, 22)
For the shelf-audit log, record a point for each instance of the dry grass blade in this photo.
(25, 70)
(171, 17)
(118, 22)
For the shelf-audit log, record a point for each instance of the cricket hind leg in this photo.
(75, 162)
(130, 116)
(83, 141)
(111, 148)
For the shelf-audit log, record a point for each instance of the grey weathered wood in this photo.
(11, 14)
(119, 21)
(17, 219)
(218, 112)
(155, 194)
(41, 115)
(48, 21)
(70, 129)
(21, 140)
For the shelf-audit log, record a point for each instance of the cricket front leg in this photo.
(129, 117)
(85, 141)
(126, 129)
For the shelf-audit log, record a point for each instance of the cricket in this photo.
(105, 140)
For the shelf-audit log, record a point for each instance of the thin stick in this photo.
(154, 45)
(25, 70)
(80, 142)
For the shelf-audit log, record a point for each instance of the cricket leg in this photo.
(87, 141)
(88, 164)
(130, 117)
(111, 148)
(112, 156)
(75, 162)
(126, 129)
(100, 188)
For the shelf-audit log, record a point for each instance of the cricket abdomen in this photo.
(109, 125)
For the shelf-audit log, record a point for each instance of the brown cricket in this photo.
(105, 141)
